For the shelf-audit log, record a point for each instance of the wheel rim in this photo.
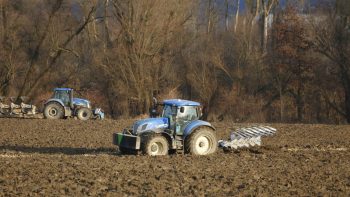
(203, 145)
(156, 148)
(84, 114)
(53, 111)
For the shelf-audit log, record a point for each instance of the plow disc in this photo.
(247, 137)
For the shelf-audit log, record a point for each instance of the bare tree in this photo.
(142, 59)
(332, 39)
(267, 7)
(289, 65)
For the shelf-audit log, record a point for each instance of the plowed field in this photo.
(74, 158)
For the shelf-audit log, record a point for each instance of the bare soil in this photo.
(74, 158)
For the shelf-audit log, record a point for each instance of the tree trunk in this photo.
(347, 106)
(300, 105)
(265, 33)
(267, 5)
(237, 15)
(346, 86)
(281, 103)
(4, 21)
(209, 13)
(226, 15)
(106, 25)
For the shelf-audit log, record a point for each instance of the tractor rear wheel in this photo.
(154, 145)
(201, 142)
(84, 113)
(53, 111)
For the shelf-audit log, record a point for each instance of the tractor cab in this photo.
(64, 94)
(180, 113)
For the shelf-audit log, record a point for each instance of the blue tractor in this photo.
(179, 129)
(62, 104)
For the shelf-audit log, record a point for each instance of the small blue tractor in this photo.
(177, 130)
(62, 104)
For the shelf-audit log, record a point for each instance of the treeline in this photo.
(244, 60)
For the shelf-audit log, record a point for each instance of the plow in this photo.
(246, 137)
(13, 107)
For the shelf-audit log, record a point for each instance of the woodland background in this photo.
(244, 60)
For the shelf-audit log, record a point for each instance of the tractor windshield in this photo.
(168, 111)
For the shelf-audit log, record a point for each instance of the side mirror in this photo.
(200, 113)
(182, 109)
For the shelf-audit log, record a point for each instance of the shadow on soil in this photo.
(99, 151)
(59, 150)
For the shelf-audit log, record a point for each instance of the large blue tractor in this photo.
(178, 129)
(62, 104)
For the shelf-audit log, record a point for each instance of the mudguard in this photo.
(55, 100)
(81, 102)
(194, 125)
(168, 136)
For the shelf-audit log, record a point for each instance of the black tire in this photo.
(154, 145)
(53, 111)
(84, 113)
(202, 141)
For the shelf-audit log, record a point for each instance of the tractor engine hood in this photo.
(81, 102)
(151, 124)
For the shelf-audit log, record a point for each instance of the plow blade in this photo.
(247, 137)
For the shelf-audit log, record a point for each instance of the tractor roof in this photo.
(180, 102)
(62, 89)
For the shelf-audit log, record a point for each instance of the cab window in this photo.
(63, 96)
(188, 113)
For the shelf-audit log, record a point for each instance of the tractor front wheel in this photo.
(53, 111)
(201, 142)
(154, 145)
(84, 113)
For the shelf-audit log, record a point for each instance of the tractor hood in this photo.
(81, 102)
(150, 124)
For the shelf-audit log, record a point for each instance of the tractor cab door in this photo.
(185, 115)
(170, 113)
(180, 117)
(64, 96)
